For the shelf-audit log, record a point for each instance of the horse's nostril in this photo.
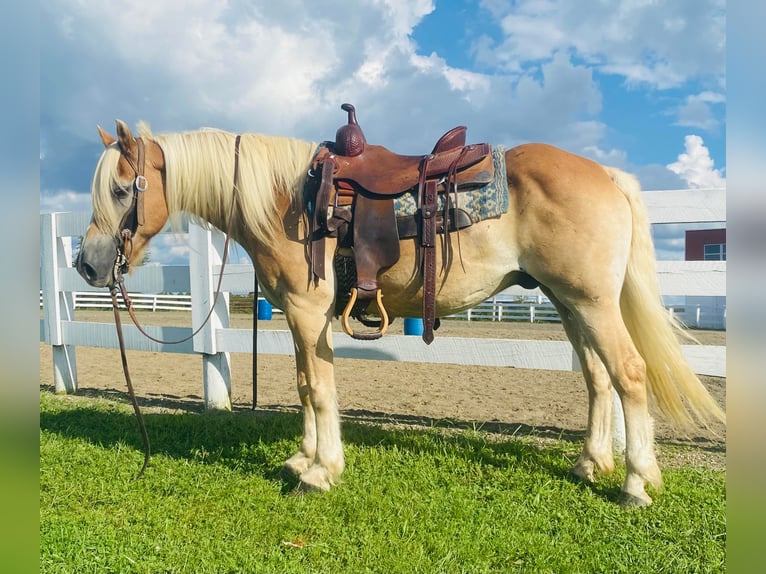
(88, 272)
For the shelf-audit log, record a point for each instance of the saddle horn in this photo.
(349, 139)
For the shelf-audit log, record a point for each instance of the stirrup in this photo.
(370, 335)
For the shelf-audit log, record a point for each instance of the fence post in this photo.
(206, 247)
(57, 305)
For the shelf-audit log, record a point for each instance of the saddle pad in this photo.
(481, 203)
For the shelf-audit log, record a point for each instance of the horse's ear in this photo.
(125, 139)
(106, 138)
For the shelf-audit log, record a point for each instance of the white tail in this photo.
(678, 392)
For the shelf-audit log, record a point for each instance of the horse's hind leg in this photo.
(319, 461)
(603, 328)
(597, 454)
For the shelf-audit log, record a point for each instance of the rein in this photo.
(135, 218)
(129, 382)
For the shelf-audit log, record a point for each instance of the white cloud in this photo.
(612, 157)
(662, 43)
(695, 166)
(65, 200)
(658, 177)
(170, 249)
(284, 68)
(406, 14)
(697, 112)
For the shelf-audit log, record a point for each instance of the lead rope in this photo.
(131, 392)
(119, 265)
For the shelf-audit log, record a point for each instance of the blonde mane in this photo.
(199, 178)
(105, 180)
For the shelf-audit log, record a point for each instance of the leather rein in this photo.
(128, 227)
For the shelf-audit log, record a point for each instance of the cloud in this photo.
(695, 166)
(169, 249)
(657, 43)
(65, 200)
(669, 241)
(670, 238)
(657, 177)
(612, 157)
(697, 112)
(284, 68)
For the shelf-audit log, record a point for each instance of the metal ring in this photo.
(140, 184)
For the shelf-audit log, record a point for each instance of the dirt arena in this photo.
(545, 404)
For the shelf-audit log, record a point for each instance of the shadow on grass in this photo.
(218, 438)
(228, 438)
(194, 404)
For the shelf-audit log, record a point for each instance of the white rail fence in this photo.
(499, 308)
(61, 285)
(143, 301)
(522, 308)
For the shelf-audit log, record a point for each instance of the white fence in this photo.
(498, 308)
(143, 301)
(60, 281)
(534, 309)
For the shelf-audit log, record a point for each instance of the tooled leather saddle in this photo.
(351, 190)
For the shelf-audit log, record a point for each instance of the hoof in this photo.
(305, 488)
(584, 473)
(588, 467)
(315, 479)
(585, 470)
(296, 465)
(630, 501)
(287, 472)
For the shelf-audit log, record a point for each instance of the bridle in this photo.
(135, 215)
(128, 227)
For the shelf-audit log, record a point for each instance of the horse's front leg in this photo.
(319, 461)
(304, 458)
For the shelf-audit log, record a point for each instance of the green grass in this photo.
(411, 501)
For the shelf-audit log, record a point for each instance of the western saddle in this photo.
(352, 186)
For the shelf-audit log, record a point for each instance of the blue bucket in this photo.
(264, 310)
(413, 326)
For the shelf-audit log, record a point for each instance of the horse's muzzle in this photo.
(96, 258)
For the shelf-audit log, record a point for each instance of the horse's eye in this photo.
(120, 192)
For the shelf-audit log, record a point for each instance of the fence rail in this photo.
(535, 309)
(62, 290)
(143, 301)
(530, 309)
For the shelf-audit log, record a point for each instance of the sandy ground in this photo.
(545, 404)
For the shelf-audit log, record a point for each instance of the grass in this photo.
(412, 501)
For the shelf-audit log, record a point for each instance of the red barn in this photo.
(706, 245)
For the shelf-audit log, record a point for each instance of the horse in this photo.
(579, 229)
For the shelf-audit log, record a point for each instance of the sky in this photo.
(637, 84)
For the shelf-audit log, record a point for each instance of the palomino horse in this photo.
(578, 228)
